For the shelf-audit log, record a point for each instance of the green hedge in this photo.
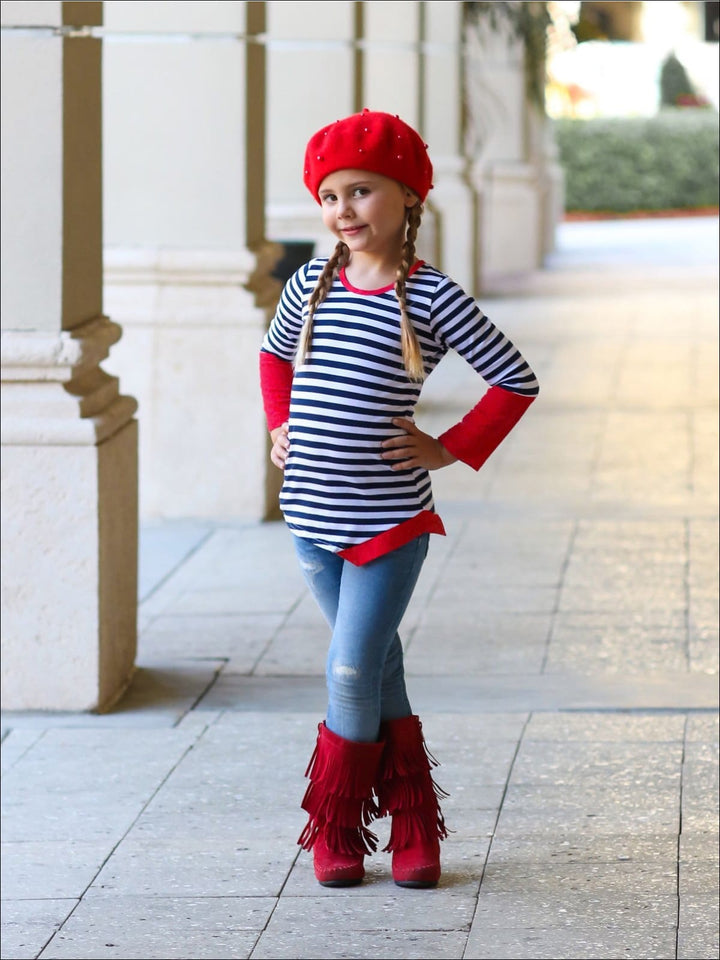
(665, 162)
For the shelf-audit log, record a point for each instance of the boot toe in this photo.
(333, 869)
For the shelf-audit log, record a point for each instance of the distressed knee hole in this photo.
(344, 670)
(311, 567)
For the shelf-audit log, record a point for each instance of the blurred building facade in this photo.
(152, 205)
(605, 59)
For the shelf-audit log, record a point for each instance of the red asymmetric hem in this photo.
(424, 522)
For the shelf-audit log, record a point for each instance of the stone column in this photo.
(187, 266)
(504, 172)
(395, 80)
(312, 80)
(544, 150)
(452, 196)
(69, 439)
(393, 65)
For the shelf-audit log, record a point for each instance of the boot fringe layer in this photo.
(335, 808)
(339, 797)
(358, 842)
(405, 757)
(411, 791)
(406, 789)
(415, 826)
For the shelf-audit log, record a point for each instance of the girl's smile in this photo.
(366, 211)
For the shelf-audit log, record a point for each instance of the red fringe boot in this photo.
(408, 793)
(340, 804)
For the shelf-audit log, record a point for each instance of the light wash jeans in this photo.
(364, 606)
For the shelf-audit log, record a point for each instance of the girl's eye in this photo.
(328, 197)
(361, 191)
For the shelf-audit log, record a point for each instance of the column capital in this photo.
(54, 391)
(56, 355)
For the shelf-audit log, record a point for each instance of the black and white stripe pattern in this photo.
(337, 490)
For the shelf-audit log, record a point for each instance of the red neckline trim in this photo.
(348, 286)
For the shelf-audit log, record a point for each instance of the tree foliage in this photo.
(528, 22)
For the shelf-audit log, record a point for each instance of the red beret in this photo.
(373, 141)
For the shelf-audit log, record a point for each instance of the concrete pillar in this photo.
(392, 58)
(504, 170)
(550, 180)
(394, 73)
(313, 78)
(187, 266)
(452, 196)
(69, 439)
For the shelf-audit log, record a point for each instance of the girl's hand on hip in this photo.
(415, 448)
(280, 445)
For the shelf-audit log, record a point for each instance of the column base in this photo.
(511, 229)
(69, 522)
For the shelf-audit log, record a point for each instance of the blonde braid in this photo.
(412, 354)
(340, 256)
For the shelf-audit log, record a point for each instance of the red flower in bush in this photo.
(691, 100)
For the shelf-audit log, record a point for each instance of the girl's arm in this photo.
(278, 348)
(276, 377)
(512, 385)
(483, 429)
(472, 440)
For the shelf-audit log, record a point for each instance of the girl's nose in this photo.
(344, 208)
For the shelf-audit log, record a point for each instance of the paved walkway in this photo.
(562, 651)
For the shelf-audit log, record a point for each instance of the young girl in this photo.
(341, 370)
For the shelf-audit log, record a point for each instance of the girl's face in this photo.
(366, 211)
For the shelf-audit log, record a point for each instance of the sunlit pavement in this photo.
(562, 651)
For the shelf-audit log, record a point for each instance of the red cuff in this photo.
(276, 376)
(482, 430)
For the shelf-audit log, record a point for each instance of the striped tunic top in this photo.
(337, 490)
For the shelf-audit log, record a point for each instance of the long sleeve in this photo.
(278, 349)
(483, 429)
(276, 376)
(463, 327)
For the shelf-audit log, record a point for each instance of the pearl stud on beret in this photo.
(372, 141)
